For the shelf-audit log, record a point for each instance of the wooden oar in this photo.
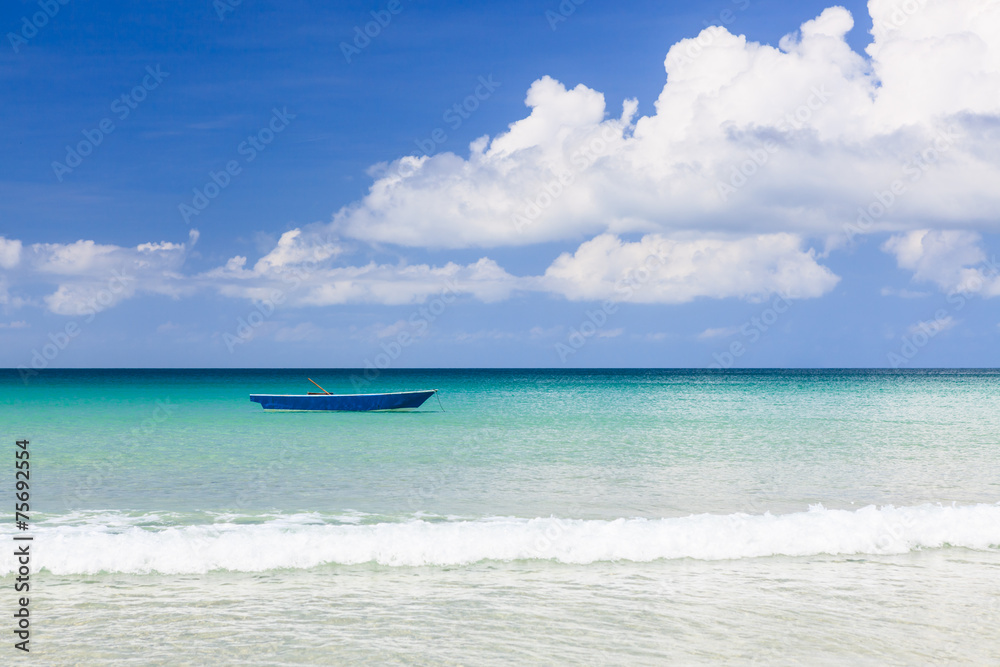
(321, 388)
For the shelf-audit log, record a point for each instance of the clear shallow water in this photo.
(586, 516)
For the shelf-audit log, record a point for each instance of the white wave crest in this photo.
(305, 541)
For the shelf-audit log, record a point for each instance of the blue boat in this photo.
(401, 400)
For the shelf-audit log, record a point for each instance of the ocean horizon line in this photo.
(517, 368)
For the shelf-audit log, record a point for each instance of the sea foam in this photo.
(114, 542)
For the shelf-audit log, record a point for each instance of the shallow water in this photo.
(619, 517)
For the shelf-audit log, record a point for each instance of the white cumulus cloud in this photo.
(754, 155)
(952, 260)
(10, 253)
(746, 138)
(89, 277)
(300, 271)
(656, 269)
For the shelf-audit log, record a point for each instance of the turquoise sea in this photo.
(623, 517)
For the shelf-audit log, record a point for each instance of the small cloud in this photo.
(656, 337)
(493, 334)
(610, 333)
(933, 327)
(393, 329)
(20, 324)
(10, 253)
(539, 332)
(167, 326)
(903, 293)
(307, 331)
(723, 332)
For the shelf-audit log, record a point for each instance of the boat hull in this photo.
(343, 402)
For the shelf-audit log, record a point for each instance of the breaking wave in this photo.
(139, 544)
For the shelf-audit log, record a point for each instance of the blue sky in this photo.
(323, 248)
